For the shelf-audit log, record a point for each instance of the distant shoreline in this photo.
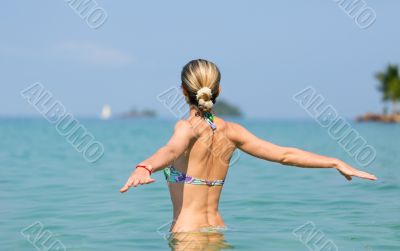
(383, 118)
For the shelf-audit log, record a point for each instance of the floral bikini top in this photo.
(174, 176)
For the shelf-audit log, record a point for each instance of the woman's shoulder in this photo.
(232, 126)
(235, 131)
(190, 127)
(182, 125)
(228, 125)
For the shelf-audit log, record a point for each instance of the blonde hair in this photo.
(200, 80)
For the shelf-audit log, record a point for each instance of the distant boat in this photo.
(105, 112)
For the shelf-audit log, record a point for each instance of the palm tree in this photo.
(390, 85)
(383, 88)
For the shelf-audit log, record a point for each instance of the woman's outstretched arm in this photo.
(178, 143)
(262, 149)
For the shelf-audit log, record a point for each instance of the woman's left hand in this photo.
(348, 172)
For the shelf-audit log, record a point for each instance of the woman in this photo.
(196, 158)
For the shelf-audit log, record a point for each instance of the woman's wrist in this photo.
(336, 163)
(145, 166)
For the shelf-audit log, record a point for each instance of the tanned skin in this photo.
(199, 152)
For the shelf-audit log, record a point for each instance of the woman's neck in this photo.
(193, 111)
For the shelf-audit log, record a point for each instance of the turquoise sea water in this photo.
(45, 181)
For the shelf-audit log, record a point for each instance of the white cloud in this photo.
(76, 51)
(91, 53)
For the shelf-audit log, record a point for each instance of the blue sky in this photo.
(266, 50)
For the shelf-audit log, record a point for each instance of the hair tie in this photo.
(202, 91)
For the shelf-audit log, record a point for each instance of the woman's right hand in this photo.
(140, 176)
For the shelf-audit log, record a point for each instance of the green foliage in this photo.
(389, 85)
(223, 108)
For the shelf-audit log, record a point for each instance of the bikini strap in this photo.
(209, 117)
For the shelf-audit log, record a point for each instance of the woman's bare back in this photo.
(207, 158)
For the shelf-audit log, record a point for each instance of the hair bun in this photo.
(203, 97)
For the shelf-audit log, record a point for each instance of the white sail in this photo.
(105, 112)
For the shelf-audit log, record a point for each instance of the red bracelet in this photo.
(142, 166)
